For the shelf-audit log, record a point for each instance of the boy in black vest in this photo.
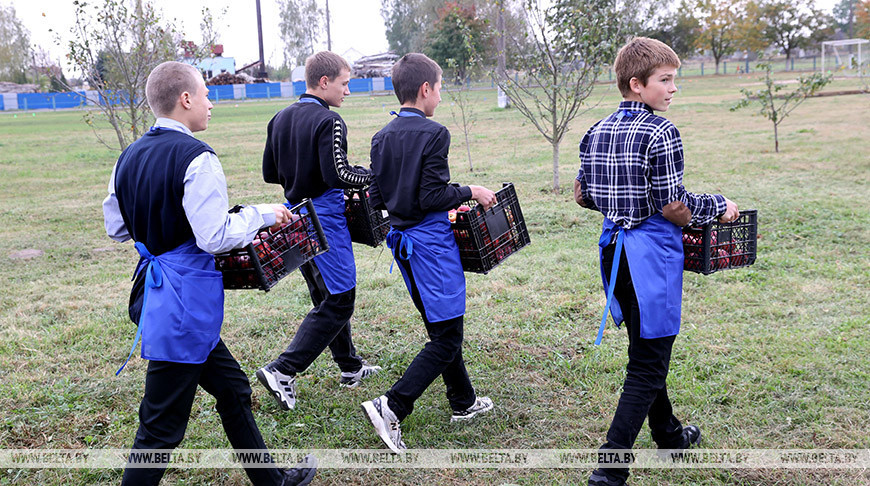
(168, 193)
(631, 170)
(306, 152)
(411, 180)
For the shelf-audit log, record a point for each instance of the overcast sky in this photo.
(355, 24)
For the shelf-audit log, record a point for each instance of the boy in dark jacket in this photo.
(411, 180)
(306, 152)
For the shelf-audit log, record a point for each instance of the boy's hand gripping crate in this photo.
(274, 254)
(486, 238)
(367, 225)
(720, 246)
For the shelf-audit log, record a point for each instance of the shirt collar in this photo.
(414, 110)
(317, 98)
(635, 106)
(171, 124)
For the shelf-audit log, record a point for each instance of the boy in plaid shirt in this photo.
(631, 170)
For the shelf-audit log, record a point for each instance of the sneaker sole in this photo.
(312, 471)
(460, 418)
(267, 382)
(377, 421)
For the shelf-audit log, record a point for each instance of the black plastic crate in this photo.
(720, 246)
(486, 238)
(274, 254)
(367, 225)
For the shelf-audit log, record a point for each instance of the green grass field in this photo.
(770, 356)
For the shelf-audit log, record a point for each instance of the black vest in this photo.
(149, 184)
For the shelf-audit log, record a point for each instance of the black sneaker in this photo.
(691, 436)
(598, 478)
(300, 476)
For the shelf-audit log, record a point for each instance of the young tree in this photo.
(456, 38)
(15, 50)
(565, 49)
(719, 32)
(775, 106)
(116, 44)
(301, 25)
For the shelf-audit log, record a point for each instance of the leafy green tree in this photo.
(789, 24)
(776, 106)
(719, 21)
(407, 22)
(558, 61)
(301, 26)
(116, 44)
(456, 39)
(15, 50)
(844, 15)
(678, 29)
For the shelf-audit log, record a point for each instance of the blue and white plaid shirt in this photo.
(631, 166)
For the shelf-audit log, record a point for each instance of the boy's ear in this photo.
(324, 80)
(635, 85)
(424, 90)
(184, 99)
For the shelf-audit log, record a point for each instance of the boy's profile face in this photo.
(199, 111)
(659, 89)
(333, 91)
(433, 99)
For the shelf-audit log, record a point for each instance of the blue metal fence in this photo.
(75, 99)
(217, 93)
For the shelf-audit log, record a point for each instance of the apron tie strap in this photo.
(611, 285)
(153, 280)
(402, 246)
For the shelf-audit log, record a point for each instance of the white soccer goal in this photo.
(844, 51)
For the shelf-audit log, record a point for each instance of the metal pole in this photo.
(262, 73)
(328, 33)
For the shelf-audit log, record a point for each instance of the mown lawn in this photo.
(770, 356)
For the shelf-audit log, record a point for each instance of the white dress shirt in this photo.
(205, 204)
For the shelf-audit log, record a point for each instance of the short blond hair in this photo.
(639, 58)
(166, 83)
(324, 63)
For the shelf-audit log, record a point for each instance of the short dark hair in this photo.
(639, 58)
(324, 63)
(410, 72)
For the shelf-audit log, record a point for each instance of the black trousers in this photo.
(165, 411)
(327, 324)
(442, 355)
(644, 392)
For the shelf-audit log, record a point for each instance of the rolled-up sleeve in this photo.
(206, 203)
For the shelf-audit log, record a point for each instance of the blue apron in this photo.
(655, 252)
(183, 305)
(337, 266)
(430, 249)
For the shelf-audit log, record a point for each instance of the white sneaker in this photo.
(281, 386)
(350, 380)
(385, 422)
(481, 405)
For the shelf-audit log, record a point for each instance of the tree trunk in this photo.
(468, 151)
(555, 167)
(775, 138)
